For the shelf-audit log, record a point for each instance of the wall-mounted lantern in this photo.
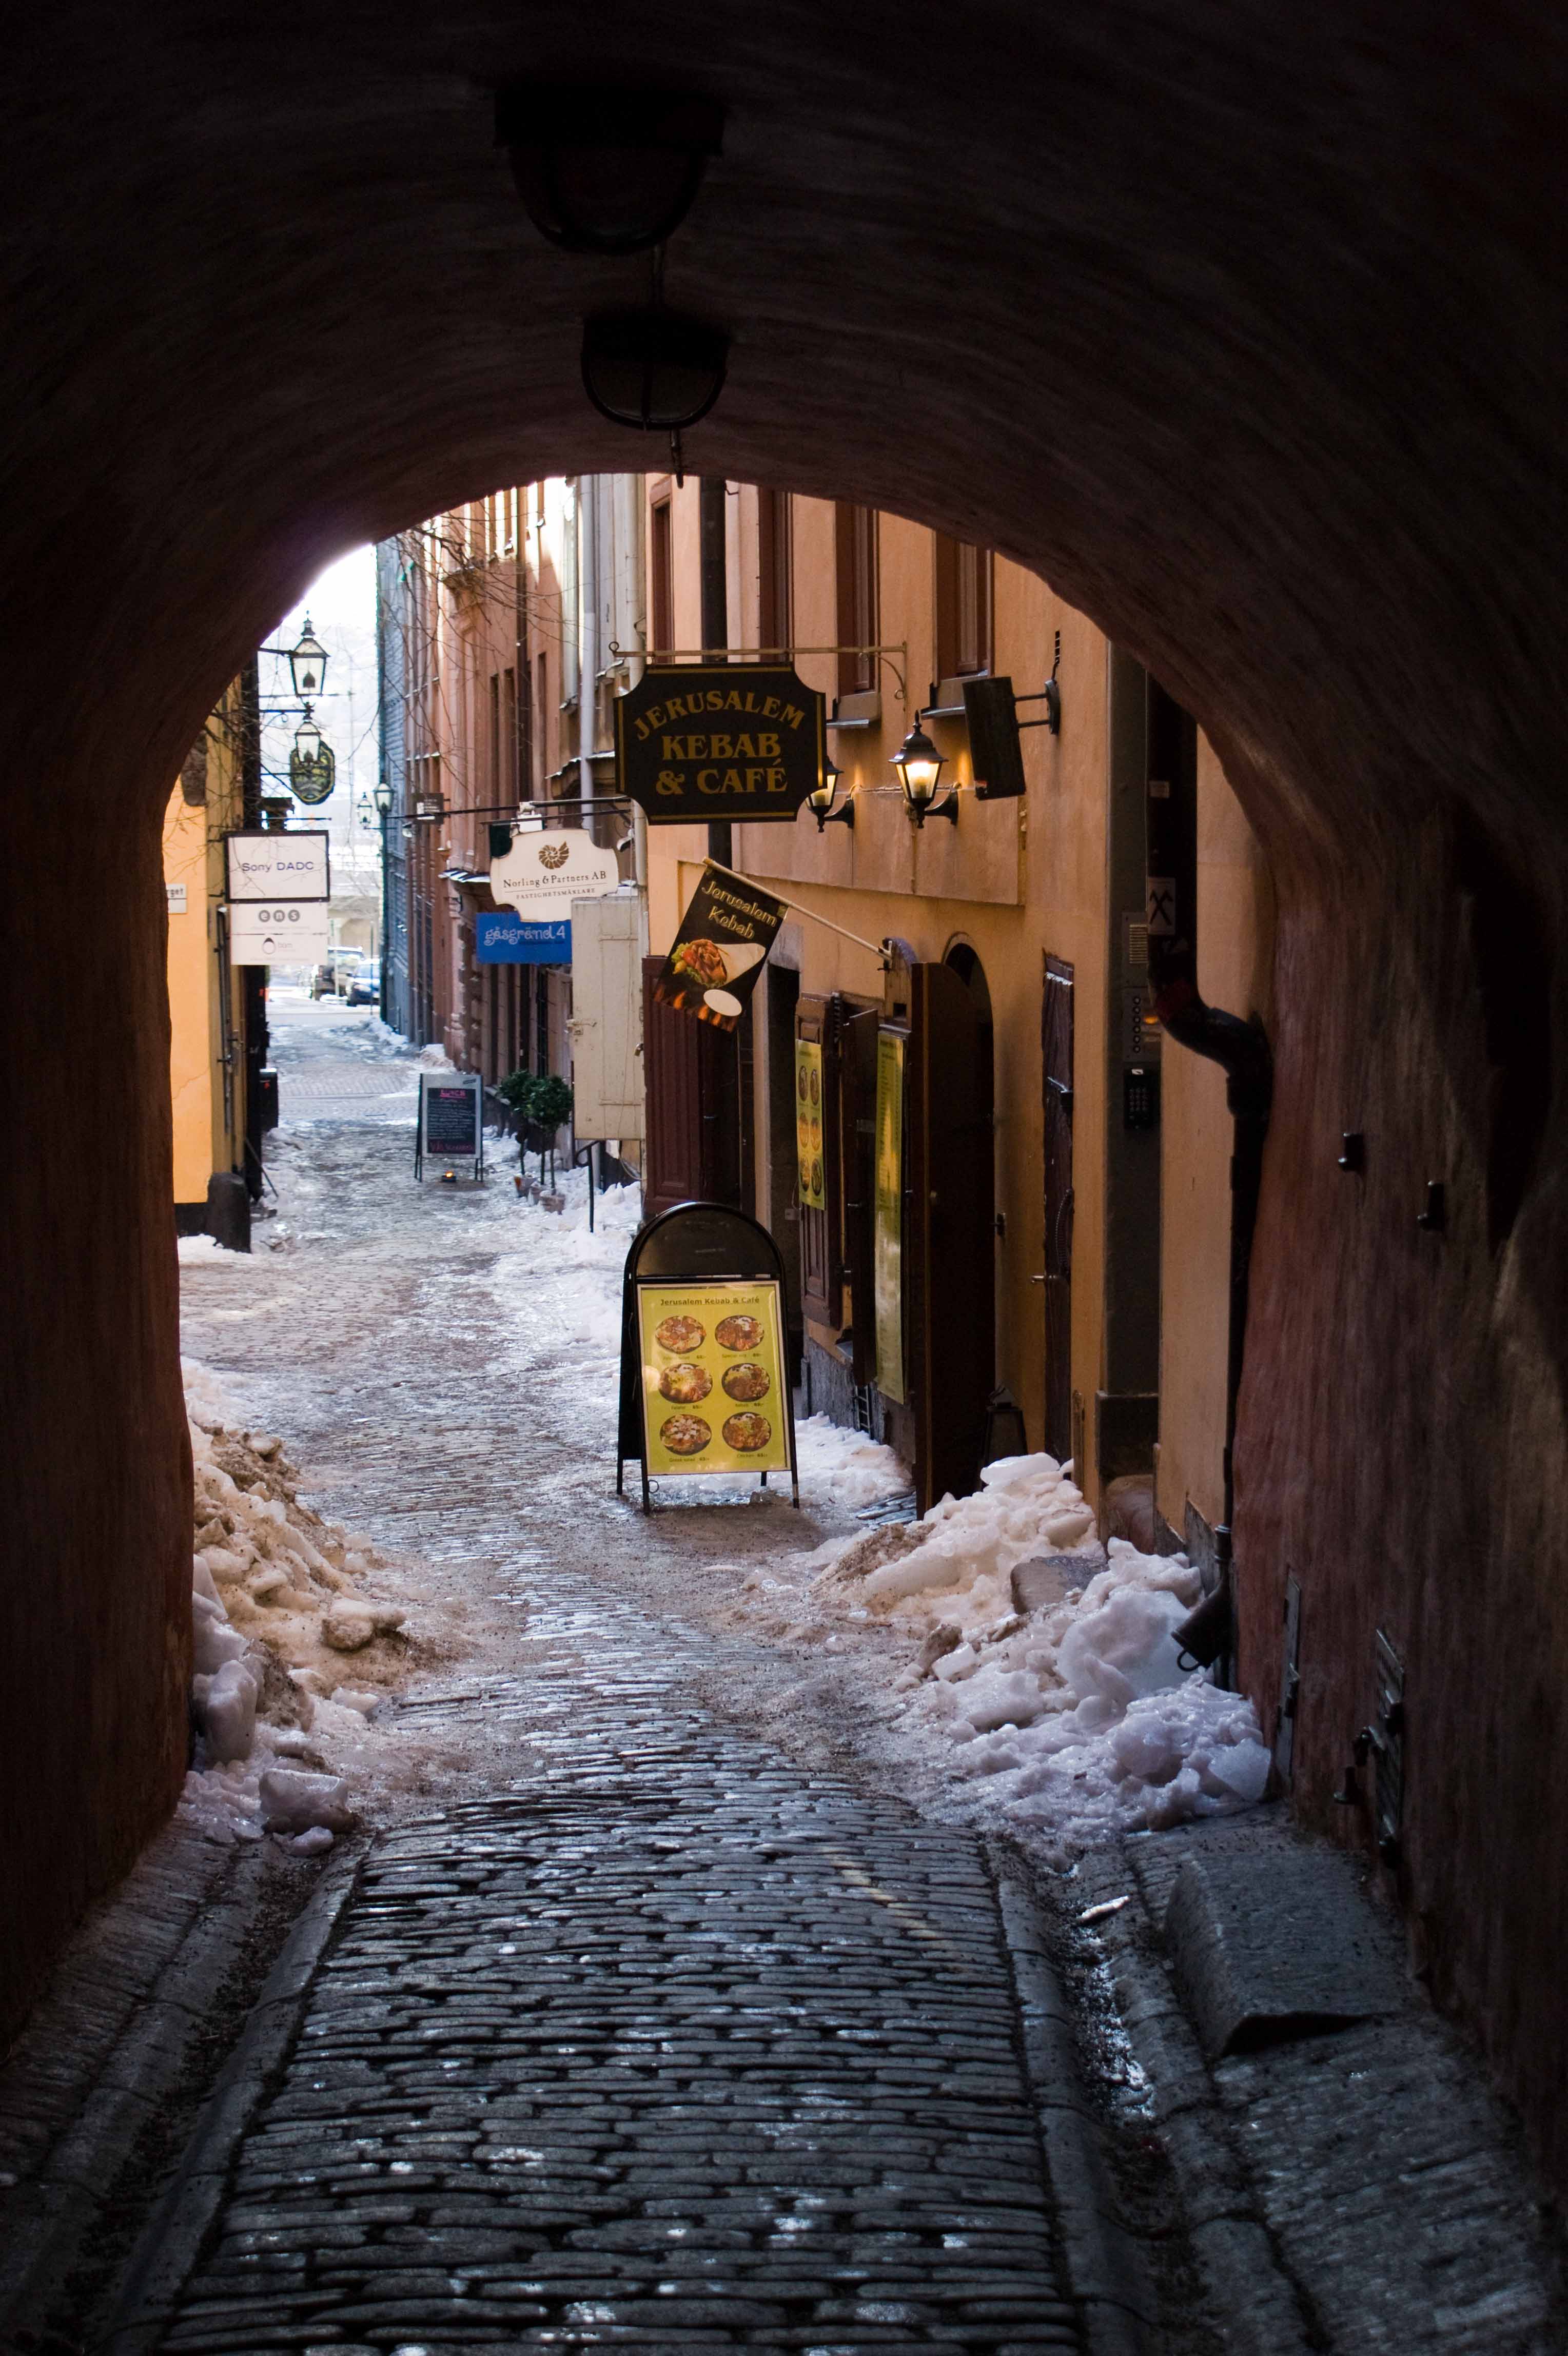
(820, 802)
(307, 666)
(607, 170)
(383, 799)
(920, 768)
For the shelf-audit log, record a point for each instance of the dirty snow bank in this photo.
(1044, 1675)
(277, 1601)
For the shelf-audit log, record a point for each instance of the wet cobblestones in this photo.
(679, 2047)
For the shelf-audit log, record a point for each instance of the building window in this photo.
(854, 537)
(776, 570)
(540, 739)
(963, 602)
(662, 580)
(493, 773)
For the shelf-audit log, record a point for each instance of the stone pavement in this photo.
(681, 2048)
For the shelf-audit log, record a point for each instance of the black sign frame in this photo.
(433, 1085)
(693, 1243)
(715, 742)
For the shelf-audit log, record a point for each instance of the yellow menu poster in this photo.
(713, 1398)
(808, 1124)
(888, 1230)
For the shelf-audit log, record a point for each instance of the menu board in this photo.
(812, 1179)
(714, 1398)
(887, 1233)
(453, 1111)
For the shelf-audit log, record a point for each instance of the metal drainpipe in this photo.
(714, 586)
(1238, 1046)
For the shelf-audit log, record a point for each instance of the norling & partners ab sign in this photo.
(720, 741)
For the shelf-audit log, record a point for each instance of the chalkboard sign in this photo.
(451, 1120)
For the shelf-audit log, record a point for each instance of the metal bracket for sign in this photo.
(672, 657)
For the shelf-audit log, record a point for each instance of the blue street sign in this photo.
(503, 938)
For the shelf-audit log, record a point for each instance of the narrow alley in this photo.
(655, 1996)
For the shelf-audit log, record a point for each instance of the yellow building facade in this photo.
(1106, 1209)
(208, 1014)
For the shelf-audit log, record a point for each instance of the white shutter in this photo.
(608, 937)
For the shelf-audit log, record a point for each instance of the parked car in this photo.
(364, 984)
(333, 975)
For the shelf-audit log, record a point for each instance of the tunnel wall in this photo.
(1402, 1446)
(1241, 326)
(95, 1479)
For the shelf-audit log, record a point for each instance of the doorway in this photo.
(1057, 1053)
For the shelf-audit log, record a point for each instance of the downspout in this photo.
(1241, 1048)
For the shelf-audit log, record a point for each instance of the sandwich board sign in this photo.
(451, 1125)
(705, 1355)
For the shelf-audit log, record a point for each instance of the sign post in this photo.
(451, 1125)
(704, 1381)
(716, 741)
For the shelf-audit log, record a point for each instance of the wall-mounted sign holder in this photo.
(451, 1124)
(705, 1377)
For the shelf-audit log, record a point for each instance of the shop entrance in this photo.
(952, 1270)
(1057, 1046)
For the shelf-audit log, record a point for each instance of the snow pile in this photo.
(1063, 1705)
(276, 1599)
(197, 1248)
(849, 1467)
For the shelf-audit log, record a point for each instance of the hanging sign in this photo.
(278, 932)
(887, 1228)
(271, 866)
(545, 871)
(506, 940)
(719, 741)
(808, 1124)
(714, 1398)
(722, 945)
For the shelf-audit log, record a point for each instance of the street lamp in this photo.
(307, 667)
(919, 765)
(819, 800)
(383, 798)
(312, 764)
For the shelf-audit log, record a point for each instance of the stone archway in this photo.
(1242, 328)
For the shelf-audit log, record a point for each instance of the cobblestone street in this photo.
(651, 2036)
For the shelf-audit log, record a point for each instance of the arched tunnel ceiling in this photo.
(1240, 322)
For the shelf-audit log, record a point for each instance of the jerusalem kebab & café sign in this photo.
(719, 741)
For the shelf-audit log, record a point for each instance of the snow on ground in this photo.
(278, 1600)
(992, 1655)
(1036, 1670)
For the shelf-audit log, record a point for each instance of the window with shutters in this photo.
(662, 577)
(963, 602)
(854, 539)
(776, 572)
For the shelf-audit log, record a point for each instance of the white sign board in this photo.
(278, 932)
(545, 871)
(609, 939)
(175, 899)
(279, 866)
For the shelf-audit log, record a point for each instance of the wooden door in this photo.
(1057, 1047)
(857, 1158)
(691, 1138)
(821, 1276)
(951, 1283)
